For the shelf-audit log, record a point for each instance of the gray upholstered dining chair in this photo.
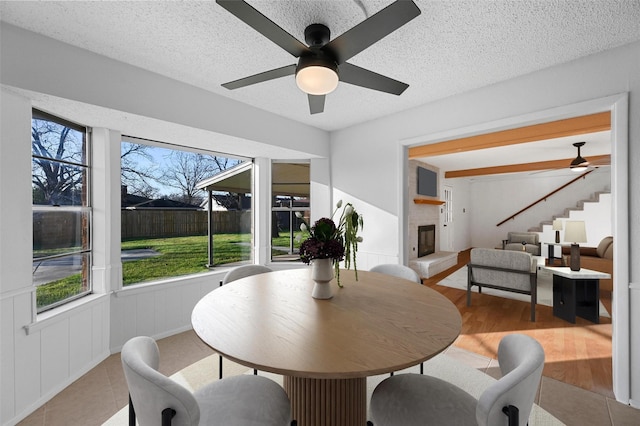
(413, 399)
(399, 271)
(157, 399)
(236, 274)
(243, 272)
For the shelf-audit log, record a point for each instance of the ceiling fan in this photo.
(578, 164)
(322, 63)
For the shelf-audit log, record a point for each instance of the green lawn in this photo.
(178, 256)
(182, 256)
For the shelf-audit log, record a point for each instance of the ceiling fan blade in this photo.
(371, 30)
(259, 78)
(353, 74)
(316, 104)
(256, 20)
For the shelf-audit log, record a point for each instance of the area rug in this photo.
(443, 366)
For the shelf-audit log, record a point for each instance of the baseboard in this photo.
(158, 336)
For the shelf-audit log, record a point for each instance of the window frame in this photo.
(176, 147)
(85, 209)
(291, 209)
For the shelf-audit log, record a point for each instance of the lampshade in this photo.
(557, 225)
(316, 78)
(575, 231)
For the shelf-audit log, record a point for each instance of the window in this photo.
(164, 212)
(290, 193)
(61, 210)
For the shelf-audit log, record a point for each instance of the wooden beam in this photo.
(600, 160)
(568, 127)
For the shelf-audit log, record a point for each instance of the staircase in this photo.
(596, 212)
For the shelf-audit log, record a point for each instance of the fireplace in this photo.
(426, 240)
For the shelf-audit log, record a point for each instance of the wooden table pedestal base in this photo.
(323, 402)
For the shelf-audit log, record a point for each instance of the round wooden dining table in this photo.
(325, 349)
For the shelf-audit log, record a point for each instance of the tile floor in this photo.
(100, 393)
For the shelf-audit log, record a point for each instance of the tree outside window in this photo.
(61, 210)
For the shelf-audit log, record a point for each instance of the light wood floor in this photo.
(578, 354)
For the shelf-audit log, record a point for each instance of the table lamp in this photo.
(575, 233)
(557, 226)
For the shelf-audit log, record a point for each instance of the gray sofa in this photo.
(514, 271)
(530, 241)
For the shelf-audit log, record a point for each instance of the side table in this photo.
(576, 293)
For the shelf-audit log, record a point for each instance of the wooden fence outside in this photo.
(63, 229)
(180, 223)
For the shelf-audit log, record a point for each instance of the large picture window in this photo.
(61, 210)
(164, 212)
(290, 184)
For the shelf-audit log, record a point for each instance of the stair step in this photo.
(567, 212)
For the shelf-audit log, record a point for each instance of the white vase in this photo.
(322, 274)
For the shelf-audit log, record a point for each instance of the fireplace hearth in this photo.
(426, 240)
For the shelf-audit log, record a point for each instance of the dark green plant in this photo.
(326, 240)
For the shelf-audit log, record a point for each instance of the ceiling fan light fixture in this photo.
(579, 164)
(316, 77)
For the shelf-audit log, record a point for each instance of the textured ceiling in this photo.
(452, 47)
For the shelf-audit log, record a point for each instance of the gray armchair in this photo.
(517, 240)
(413, 399)
(503, 270)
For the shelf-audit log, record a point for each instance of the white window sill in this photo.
(63, 312)
(180, 280)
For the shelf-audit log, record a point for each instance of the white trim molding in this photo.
(618, 106)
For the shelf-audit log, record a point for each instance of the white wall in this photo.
(158, 309)
(539, 96)
(15, 235)
(98, 80)
(38, 359)
(462, 213)
(493, 200)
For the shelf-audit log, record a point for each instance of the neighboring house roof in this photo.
(131, 201)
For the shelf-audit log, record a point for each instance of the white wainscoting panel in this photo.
(158, 310)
